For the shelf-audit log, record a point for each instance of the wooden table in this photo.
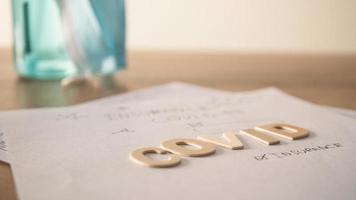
(324, 79)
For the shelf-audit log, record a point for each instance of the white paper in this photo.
(83, 153)
(3, 148)
(169, 90)
(177, 90)
(346, 112)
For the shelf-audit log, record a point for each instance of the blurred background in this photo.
(297, 26)
(305, 47)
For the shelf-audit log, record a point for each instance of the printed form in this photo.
(83, 153)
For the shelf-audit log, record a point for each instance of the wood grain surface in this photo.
(323, 79)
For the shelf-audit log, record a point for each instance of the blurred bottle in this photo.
(55, 39)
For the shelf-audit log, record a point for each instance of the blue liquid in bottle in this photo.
(39, 49)
(55, 39)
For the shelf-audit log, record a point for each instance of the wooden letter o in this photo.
(176, 146)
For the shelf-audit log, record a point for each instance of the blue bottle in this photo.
(55, 39)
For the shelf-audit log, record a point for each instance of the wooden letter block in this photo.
(177, 146)
(257, 135)
(140, 156)
(284, 130)
(228, 140)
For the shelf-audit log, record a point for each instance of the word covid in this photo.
(205, 145)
